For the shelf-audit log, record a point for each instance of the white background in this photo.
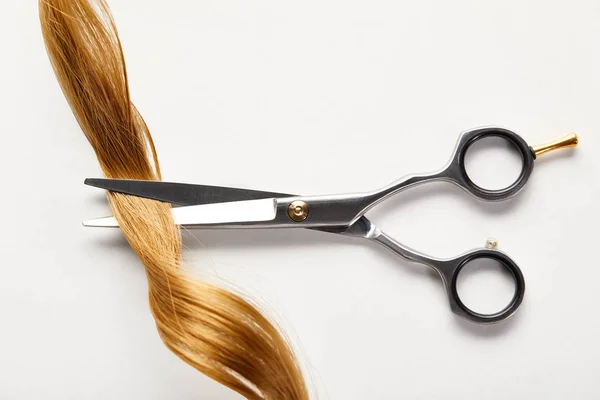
(312, 97)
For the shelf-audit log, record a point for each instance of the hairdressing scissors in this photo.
(224, 207)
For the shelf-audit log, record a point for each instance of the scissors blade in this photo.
(238, 213)
(180, 193)
(325, 211)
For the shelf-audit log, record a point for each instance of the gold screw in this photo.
(298, 211)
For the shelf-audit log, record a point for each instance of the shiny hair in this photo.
(222, 334)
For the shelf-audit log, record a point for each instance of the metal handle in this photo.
(456, 172)
(449, 271)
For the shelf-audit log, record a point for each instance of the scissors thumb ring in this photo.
(450, 269)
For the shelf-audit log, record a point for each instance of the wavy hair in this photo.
(218, 332)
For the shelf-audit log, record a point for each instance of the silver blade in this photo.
(211, 214)
(180, 193)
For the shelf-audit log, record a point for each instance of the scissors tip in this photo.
(93, 181)
(108, 222)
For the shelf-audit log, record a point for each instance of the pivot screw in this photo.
(298, 211)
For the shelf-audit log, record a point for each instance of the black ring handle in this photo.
(459, 308)
(458, 172)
